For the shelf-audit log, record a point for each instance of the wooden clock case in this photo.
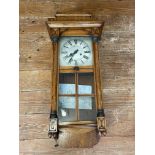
(75, 134)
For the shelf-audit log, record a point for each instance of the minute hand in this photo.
(72, 54)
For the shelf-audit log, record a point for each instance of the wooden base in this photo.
(78, 137)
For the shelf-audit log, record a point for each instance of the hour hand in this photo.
(75, 51)
(70, 60)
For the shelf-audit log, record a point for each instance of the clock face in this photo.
(76, 51)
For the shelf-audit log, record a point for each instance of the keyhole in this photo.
(76, 68)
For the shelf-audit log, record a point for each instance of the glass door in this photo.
(76, 97)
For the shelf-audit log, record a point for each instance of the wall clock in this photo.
(77, 113)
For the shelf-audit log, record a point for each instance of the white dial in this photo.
(75, 51)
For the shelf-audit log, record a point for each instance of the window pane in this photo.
(67, 83)
(66, 108)
(86, 83)
(87, 108)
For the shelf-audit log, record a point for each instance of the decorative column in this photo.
(101, 122)
(53, 126)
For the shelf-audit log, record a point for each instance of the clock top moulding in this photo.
(76, 25)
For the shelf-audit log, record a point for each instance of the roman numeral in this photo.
(70, 60)
(75, 41)
(63, 52)
(82, 61)
(87, 51)
(66, 46)
(85, 57)
(69, 42)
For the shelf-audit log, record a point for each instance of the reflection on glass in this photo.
(70, 89)
(67, 83)
(84, 89)
(85, 103)
(66, 110)
(85, 82)
(87, 109)
(67, 102)
(66, 88)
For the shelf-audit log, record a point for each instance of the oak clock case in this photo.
(77, 113)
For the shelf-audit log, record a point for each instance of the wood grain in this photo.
(27, 97)
(107, 145)
(113, 23)
(34, 123)
(117, 66)
(40, 80)
(35, 80)
(49, 8)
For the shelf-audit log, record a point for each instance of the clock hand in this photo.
(70, 60)
(71, 54)
(75, 51)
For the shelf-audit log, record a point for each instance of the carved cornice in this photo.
(62, 23)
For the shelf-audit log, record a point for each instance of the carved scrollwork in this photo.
(54, 34)
(101, 122)
(96, 38)
(53, 125)
(53, 131)
(101, 125)
(54, 39)
(62, 30)
(96, 31)
(96, 34)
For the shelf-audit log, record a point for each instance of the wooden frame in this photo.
(62, 25)
(76, 95)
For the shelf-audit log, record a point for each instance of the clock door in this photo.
(76, 97)
(76, 80)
